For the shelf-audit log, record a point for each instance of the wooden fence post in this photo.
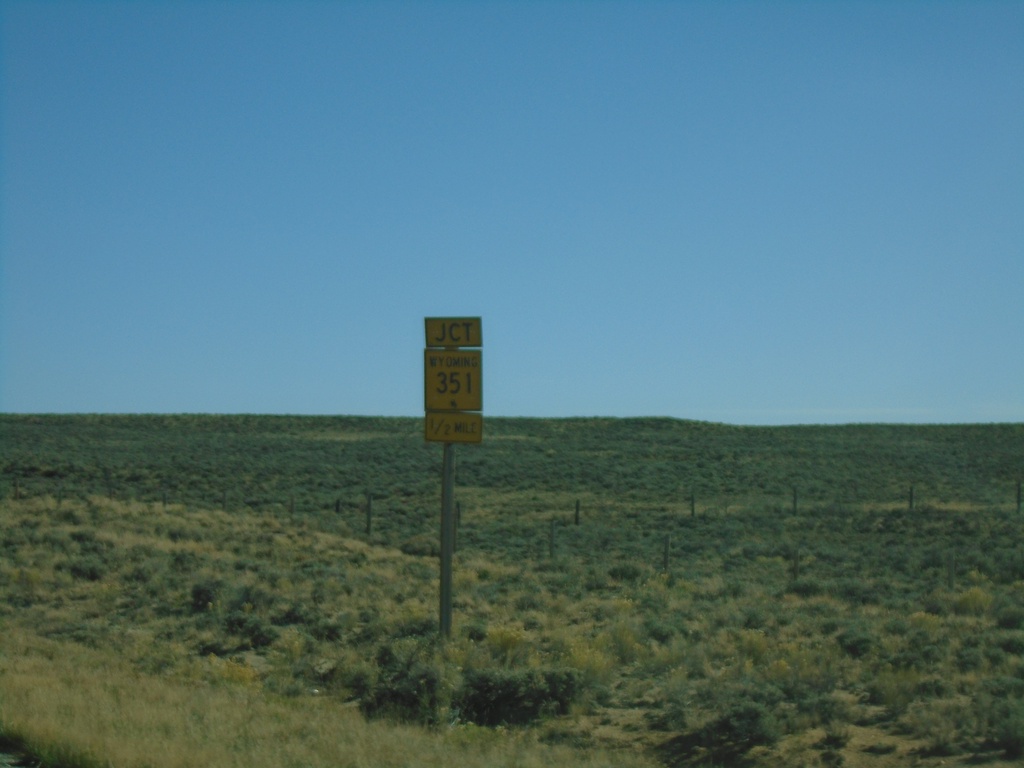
(911, 498)
(551, 540)
(577, 518)
(665, 554)
(1018, 497)
(369, 512)
(794, 500)
(693, 504)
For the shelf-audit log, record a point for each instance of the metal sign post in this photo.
(452, 400)
(447, 537)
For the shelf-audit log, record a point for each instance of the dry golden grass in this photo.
(78, 707)
(128, 670)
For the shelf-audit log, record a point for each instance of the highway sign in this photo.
(454, 427)
(452, 380)
(453, 332)
(452, 385)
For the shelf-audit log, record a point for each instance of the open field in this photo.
(200, 590)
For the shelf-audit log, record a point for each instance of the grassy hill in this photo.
(194, 459)
(770, 595)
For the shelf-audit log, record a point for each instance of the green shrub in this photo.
(1013, 643)
(252, 629)
(424, 545)
(805, 587)
(1008, 729)
(411, 694)
(476, 631)
(974, 601)
(922, 650)
(358, 680)
(944, 725)
(87, 567)
(250, 597)
(856, 641)
(893, 688)
(673, 714)
(969, 658)
(995, 655)
(837, 736)
(1010, 617)
(658, 629)
(933, 688)
(856, 591)
(516, 696)
(204, 595)
(755, 617)
(625, 572)
(822, 707)
(408, 686)
(421, 626)
(742, 726)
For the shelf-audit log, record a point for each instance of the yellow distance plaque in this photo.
(447, 427)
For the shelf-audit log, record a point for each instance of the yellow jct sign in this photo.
(453, 380)
(453, 332)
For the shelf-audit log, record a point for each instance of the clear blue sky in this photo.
(748, 212)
